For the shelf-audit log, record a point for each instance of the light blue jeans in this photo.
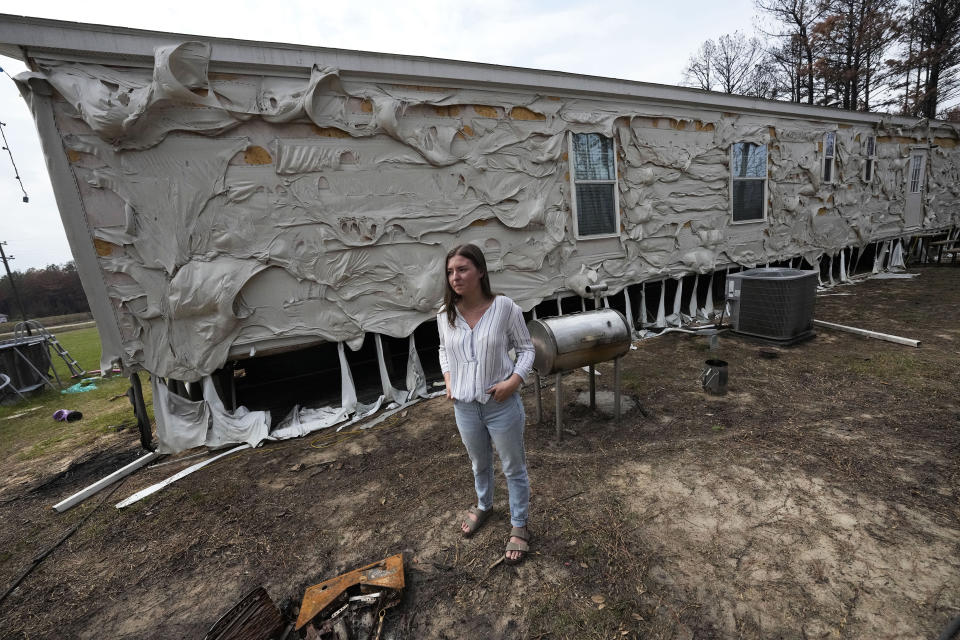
(501, 423)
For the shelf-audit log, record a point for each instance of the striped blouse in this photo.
(479, 358)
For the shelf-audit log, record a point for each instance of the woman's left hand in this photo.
(503, 390)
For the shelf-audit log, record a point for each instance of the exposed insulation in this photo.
(103, 247)
(522, 113)
(485, 111)
(257, 155)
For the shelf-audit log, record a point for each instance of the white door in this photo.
(916, 179)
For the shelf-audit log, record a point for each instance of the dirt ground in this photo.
(817, 499)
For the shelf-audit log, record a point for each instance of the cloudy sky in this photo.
(630, 39)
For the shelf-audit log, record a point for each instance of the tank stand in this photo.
(593, 386)
(593, 395)
(559, 411)
(559, 401)
(616, 388)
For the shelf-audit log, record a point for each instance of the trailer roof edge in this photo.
(24, 37)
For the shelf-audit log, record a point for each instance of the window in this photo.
(748, 173)
(594, 177)
(916, 173)
(829, 155)
(871, 152)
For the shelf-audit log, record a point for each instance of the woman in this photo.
(477, 330)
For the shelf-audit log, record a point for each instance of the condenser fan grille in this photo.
(774, 304)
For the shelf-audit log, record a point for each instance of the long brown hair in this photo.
(472, 253)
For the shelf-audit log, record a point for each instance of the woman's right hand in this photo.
(446, 381)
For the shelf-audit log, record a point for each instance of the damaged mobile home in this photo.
(241, 212)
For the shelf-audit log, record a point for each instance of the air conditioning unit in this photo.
(773, 304)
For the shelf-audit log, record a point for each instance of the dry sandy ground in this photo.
(818, 499)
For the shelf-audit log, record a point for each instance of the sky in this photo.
(628, 39)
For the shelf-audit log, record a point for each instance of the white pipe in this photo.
(675, 330)
(395, 410)
(695, 332)
(122, 472)
(869, 334)
(143, 493)
(181, 459)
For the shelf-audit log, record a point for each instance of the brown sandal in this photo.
(523, 546)
(474, 525)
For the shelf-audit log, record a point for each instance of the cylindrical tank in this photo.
(578, 339)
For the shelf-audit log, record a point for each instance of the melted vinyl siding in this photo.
(234, 210)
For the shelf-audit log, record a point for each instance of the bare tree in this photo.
(731, 64)
(699, 72)
(736, 60)
(797, 19)
(786, 63)
(765, 80)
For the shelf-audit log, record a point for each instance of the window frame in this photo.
(921, 170)
(832, 158)
(573, 188)
(870, 160)
(765, 178)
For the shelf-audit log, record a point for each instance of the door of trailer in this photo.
(916, 179)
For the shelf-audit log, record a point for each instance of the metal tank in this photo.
(567, 342)
(582, 339)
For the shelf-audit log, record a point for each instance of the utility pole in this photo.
(13, 286)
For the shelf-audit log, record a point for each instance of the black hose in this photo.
(951, 629)
(42, 556)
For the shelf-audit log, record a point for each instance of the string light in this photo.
(6, 147)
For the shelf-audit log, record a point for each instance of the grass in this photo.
(28, 430)
(84, 346)
(900, 368)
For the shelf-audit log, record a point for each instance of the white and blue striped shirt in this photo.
(479, 358)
